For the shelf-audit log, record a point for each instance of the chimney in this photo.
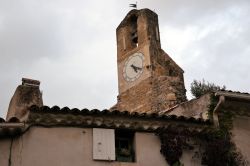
(26, 95)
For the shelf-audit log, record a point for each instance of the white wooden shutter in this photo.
(103, 144)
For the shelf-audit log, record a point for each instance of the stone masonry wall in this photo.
(167, 92)
(153, 95)
(137, 98)
(162, 86)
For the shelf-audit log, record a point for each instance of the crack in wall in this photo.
(10, 154)
(20, 150)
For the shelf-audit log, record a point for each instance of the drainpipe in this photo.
(215, 111)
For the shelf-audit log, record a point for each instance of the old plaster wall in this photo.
(71, 146)
(148, 150)
(4, 151)
(241, 135)
(151, 156)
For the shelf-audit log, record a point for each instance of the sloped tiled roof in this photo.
(10, 128)
(238, 92)
(55, 116)
(65, 110)
(189, 108)
(110, 118)
(233, 94)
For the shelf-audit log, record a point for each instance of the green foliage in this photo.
(199, 88)
(171, 148)
(172, 144)
(218, 148)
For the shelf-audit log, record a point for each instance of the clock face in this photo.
(133, 67)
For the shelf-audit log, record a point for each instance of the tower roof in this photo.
(136, 12)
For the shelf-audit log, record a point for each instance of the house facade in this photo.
(152, 122)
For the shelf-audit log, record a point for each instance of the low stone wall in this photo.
(197, 108)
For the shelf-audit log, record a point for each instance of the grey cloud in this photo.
(70, 46)
(185, 12)
(30, 32)
(219, 52)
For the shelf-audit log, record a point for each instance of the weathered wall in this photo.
(4, 151)
(168, 91)
(197, 108)
(164, 93)
(73, 146)
(147, 31)
(241, 135)
(153, 95)
(123, 84)
(25, 96)
(148, 150)
(136, 98)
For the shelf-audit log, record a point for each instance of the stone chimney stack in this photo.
(26, 95)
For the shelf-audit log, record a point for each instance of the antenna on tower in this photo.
(133, 5)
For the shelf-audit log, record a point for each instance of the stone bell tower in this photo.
(149, 80)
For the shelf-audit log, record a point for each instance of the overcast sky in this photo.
(70, 46)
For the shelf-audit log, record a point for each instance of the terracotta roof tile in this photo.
(2, 120)
(50, 116)
(233, 95)
(75, 111)
(246, 93)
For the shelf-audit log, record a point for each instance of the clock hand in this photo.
(136, 68)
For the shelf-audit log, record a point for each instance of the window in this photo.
(124, 146)
(110, 144)
(134, 34)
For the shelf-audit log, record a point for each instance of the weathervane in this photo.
(133, 5)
